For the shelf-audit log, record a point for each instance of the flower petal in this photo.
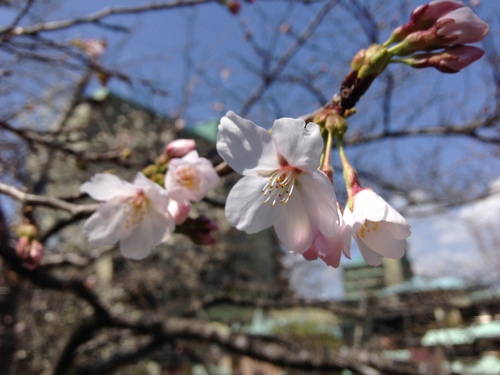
(370, 256)
(319, 201)
(104, 186)
(293, 228)
(162, 226)
(246, 147)
(381, 241)
(140, 242)
(299, 144)
(244, 206)
(157, 195)
(107, 225)
(371, 205)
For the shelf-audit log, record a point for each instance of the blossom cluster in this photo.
(283, 187)
(143, 214)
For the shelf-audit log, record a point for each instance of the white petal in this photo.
(400, 228)
(382, 241)
(108, 224)
(372, 205)
(163, 226)
(293, 228)
(370, 256)
(350, 220)
(319, 201)
(301, 146)
(138, 245)
(104, 186)
(191, 156)
(244, 206)
(157, 196)
(246, 147)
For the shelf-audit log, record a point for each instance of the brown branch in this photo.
(100, 15)
(52, 202)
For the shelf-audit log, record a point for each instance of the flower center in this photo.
(189, 178)
(136, 208)
(280, 185)
(367, 227)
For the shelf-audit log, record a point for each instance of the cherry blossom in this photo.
(134, 214)
(190, 178)
(379, 230)
(330, 249)
(178, 210)
(461, 26)
(282, 186)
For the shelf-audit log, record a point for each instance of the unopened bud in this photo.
(30, 252)
(179, 148)
(451, 60)
(27, 230)
(199, 230)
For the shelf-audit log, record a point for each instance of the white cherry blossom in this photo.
(189, 178)
(134, 214)
(282, 186)
(379, 230)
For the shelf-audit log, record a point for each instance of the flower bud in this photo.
(375, 61)
(456, 27)
(180, 148)
(30, 252)
(424, 16)
(451, 60)
(199, 230)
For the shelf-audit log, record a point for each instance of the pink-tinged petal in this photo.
(209, 177)
(140, 242)
(179, 147)
(310, 254)
(293, 227)
(465, 25)
(179, 211)
(300, 145)
(104, 186)
(435, 9)
(157, 195)
(329, 249)
(246, 147)
(319, 201)
(108, 224)
(371, 257)
(372, 206)
(245, 208)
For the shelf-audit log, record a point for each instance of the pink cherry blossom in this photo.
(281, 185)
(379, 230)
(330, 249)
(190, 178)
(180, 148)
(134, 214)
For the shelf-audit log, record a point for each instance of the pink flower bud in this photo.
(424, 16)
(30, 252)
(234, 7)
(451, 60)
(461, 26)
(456, 27)
(180, 147)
